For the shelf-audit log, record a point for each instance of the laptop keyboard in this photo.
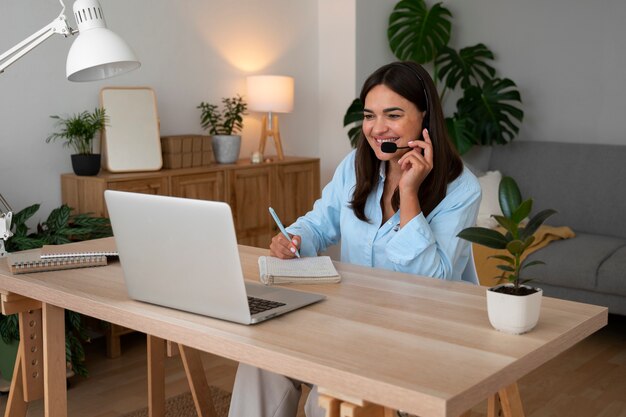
(258, 305)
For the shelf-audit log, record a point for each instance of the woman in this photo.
(394, 207)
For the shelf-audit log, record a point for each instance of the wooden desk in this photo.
(417, 344)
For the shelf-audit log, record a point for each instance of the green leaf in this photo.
(416, 33)
(503, 258)
(469, 66)
(515, 247)
(9, 328)
(494, 108)
(522, 211)
(483, 236)
(536, 221)
(532, 263)
(508, 224)
(460, 130)
(354, 115)
(23, 215)
(505, 268)
(527, 242)
(509, 196)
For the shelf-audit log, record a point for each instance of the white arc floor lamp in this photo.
(97, 53)
(271, 94)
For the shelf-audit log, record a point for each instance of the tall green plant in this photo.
(60, 227)
(488, 111)
(79, 130)
(517, 238)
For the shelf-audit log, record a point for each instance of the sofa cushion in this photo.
(573, 263)
(489, 202)
(612, 273)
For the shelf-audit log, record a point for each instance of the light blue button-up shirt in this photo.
(424, 246)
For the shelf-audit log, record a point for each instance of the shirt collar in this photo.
(382, 171)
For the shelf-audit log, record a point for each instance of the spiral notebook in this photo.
(306, 270)
(88, 248)
(29, 262)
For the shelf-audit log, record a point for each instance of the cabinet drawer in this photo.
(207, 186)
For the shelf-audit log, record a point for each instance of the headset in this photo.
(390, 147)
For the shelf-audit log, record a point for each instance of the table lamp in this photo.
(271, 94)
(96, 54)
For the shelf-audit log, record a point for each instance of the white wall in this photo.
(190, 50)
(337, 68)
(567, 58)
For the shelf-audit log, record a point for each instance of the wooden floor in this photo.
(588, 380)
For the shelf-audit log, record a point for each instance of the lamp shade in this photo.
(270, 93)
(97, 53)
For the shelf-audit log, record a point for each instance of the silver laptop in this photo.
(182, 253)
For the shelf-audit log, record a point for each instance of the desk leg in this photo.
(16, 404)
(511, 401)
(55, 370)
(330, 404)
(156, 376)
(197, 381)
(492, 405)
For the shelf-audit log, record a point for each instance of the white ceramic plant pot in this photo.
(513, 314)
(226, 148)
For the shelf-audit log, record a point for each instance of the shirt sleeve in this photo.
(320, 227)
(430, 246)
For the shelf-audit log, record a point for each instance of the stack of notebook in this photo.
(74, 255)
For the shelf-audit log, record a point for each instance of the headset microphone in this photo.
(390, 147)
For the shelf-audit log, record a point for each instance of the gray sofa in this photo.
(586, 184)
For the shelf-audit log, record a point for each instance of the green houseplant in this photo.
(78, 131)
(60, 227)
(224, 127)
(513, 307)
(488, 111)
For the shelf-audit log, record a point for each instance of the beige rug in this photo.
(182, 405)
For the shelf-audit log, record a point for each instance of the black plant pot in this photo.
(86, 164)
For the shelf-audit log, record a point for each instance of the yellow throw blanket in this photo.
(486, 267)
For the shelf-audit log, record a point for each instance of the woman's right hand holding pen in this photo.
(282, 248)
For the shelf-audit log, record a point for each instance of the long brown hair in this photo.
(411, 81)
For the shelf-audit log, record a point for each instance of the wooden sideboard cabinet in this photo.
(290, 186)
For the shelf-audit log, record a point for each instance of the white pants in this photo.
(259, 393)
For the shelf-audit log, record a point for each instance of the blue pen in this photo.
(282, 228)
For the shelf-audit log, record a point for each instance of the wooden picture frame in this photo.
(130, 140)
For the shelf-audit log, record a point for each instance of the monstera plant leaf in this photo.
(461, 132)
(493, 108)
(354, 116)
(417, 33)
(469, 66)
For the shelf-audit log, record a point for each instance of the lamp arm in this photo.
(57, 26)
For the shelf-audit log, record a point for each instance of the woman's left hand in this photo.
(416, 164)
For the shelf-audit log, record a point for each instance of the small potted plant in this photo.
(224, 127)
(513, 307)
(79, 131)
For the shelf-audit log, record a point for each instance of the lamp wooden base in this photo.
(274, 133)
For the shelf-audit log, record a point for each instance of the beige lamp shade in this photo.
(270, 93)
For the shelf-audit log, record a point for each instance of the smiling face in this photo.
(389, 117)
